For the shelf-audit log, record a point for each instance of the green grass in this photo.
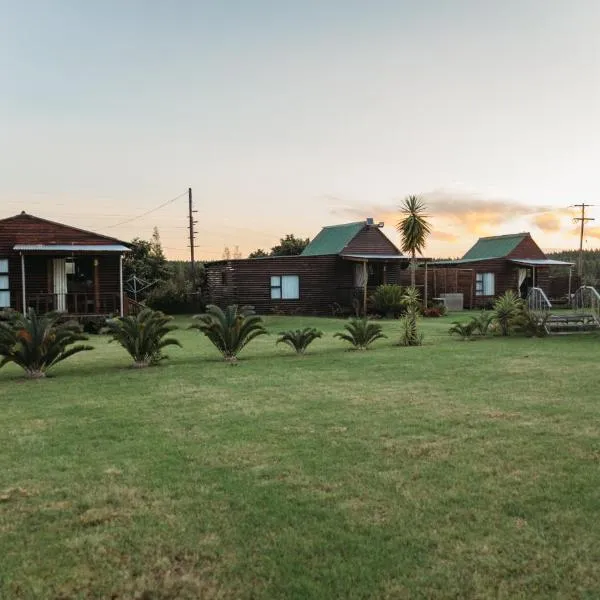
(451, 470)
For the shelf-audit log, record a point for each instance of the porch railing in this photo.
(76, 303)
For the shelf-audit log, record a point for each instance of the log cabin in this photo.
(50, 266)
(499, 263)
(338, 269)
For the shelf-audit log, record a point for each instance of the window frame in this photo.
(280, 287)
(5, 273)
(480, 284)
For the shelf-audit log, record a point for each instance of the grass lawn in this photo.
(452, 470)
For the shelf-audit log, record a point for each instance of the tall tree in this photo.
(146, 259)
(290, 245)
(413, 229)
(260, 253)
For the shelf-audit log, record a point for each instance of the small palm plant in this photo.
(230, 330)
(299, 339)
(143, 335)
(481, 324)
(361, 333)
(38, 342)
(464, 330)
(507, 310)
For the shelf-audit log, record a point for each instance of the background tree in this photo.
(414, 229)
(260, 253)
(146, 260)
(290, 245)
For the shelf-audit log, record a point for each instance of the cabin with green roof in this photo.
(500, 263)
(341, 266)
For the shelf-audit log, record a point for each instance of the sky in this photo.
(284, 116)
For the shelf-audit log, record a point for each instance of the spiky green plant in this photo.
(38, 342)
(361, 333)
(409, 331)
(414, 229)
(481, 323)
(230, 330)
(507, 309)
(388, 299)
(464, 330)
(411, 299)
(532, 323)
(143, 335)
(299, 339)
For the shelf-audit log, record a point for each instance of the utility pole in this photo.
(191, 228)
(583, 220)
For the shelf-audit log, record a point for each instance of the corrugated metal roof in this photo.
(497, 246)
(333, 239)
(70, 248)
(541, 262)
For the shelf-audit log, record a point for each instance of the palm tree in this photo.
(414, 229)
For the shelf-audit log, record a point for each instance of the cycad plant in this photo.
(38, 342)
(299, 339)
(143, 335)
(464, 330)
(481, 324)
(388, 299)
(361, 333)
(230, 330)
(507, 310)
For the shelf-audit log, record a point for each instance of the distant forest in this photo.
(591, 263)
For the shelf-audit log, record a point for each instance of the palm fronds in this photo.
(361, 333)
(143, 335)
(464, 330)
(230, 330)
(38, 342)
(413, 229)
(299, 339)
(507, 310)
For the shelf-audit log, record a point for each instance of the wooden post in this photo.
(24, 311)
(96, 286)
(570, 278)
(425, 292)
(366, 278)
(121, 283)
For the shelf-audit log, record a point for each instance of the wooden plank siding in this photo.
(29, 230)
(371, 240)
(323, 280)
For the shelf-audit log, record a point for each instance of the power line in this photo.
(148, 212)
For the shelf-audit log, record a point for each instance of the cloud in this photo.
(554, 221)
(472, 212)
(593, 232)
(444, 236)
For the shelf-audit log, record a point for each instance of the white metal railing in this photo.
(587, 300)
(537, 301)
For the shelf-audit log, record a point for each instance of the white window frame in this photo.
(485, 284)
(279, 289)
(4, 268)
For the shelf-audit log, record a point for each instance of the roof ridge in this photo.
(505, 235)
(344, 224)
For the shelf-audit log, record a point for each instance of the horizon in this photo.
(287, 117)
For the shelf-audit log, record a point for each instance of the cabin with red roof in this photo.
(50, 266)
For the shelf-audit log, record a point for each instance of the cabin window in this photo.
(485, 284)
(4, 289)
(285, 287)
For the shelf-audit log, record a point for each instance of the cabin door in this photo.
(59, 269)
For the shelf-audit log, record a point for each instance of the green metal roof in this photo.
(497, 246)
(333, 239)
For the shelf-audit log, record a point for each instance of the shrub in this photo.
(434, 312)
(411, 299)
(388, 300)
(507, 309)
(229, 330)
(481, 324)
(143, 335)
(532, 324)
(174, 296)
(361, 333)
(93, 324)
(36, 343)
(299, 339)
(464, 330)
